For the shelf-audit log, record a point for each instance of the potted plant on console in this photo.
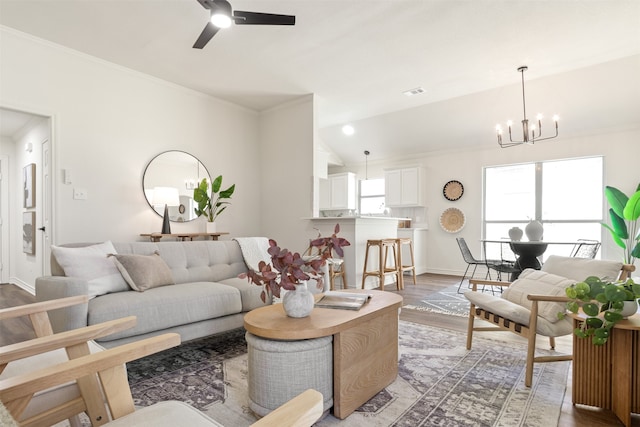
(605, 303)
(290, 271)
(211, 205)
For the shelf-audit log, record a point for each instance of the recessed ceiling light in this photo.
(415, 91)
(348, 130)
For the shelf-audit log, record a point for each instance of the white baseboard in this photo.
(22, 285)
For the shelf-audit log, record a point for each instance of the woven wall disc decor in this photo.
(453, 190)
(452, 220)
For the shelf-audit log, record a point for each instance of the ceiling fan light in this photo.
(220, 20)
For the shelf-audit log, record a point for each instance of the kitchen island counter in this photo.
(357, 230)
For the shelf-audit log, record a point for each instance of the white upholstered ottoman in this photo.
(280, 370)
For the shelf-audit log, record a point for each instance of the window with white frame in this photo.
(566, 196)
(372, 196)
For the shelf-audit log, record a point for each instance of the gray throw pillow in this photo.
(143, 272)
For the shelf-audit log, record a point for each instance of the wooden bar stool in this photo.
(383, 270)
(336, 269)
(406, 267)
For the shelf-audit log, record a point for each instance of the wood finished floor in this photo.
(572, 416)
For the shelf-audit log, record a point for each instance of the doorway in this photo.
(25, 140)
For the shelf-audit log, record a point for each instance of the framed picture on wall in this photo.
(29, 233)
(29, 175)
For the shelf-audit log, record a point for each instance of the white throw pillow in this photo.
(536, 282)
(107, 284)
(92, 264)
(579, 269)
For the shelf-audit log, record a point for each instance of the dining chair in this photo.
(507, 264)
(471, 261)
(585, 248)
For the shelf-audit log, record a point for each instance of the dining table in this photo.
(527, 252)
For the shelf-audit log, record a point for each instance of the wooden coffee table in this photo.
(365, 343)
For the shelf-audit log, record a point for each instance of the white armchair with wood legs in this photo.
(48, 349)
(108, 370)
(528, 307)
(58, 376)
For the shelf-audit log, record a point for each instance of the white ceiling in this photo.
(358, 57)
(12, 122)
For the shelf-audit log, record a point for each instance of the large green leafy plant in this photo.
(213, 204)
(602, 302)
(624, 214)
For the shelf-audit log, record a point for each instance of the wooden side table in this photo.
(155, 237)
(608, 376)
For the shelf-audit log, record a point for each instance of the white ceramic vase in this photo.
(298, 303)
(630, 308)
(212, 227)
(534, 231)
(515, 234)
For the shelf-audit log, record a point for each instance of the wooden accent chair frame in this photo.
(528, 330)
(48, 349)
(109, 366)
(101, 378)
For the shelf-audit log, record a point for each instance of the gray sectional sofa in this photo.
(207, 297)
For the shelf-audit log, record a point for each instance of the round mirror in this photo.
(169, 173)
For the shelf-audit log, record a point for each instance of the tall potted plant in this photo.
(624, 214)
(211, 204)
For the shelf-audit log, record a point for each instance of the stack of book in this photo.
(343, 300)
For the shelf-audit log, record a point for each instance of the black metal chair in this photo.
(585, 249)
(471, 261)
(508, 262)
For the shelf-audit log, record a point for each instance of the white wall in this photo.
(621, 152)
(109, 122)
(286, 159)
(7, 149)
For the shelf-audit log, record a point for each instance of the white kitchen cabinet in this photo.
(338, 191)
(403, 187)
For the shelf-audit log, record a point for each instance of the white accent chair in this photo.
(49, 349)
(108, 365)
(528, 307)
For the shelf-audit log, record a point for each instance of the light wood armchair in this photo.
(49, 349)
(108, 366)
(524, 321)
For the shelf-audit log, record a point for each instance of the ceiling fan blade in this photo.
(256, 18)
(205, 3)
(209, 31)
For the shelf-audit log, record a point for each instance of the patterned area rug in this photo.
(440, 383)
(447, 301)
